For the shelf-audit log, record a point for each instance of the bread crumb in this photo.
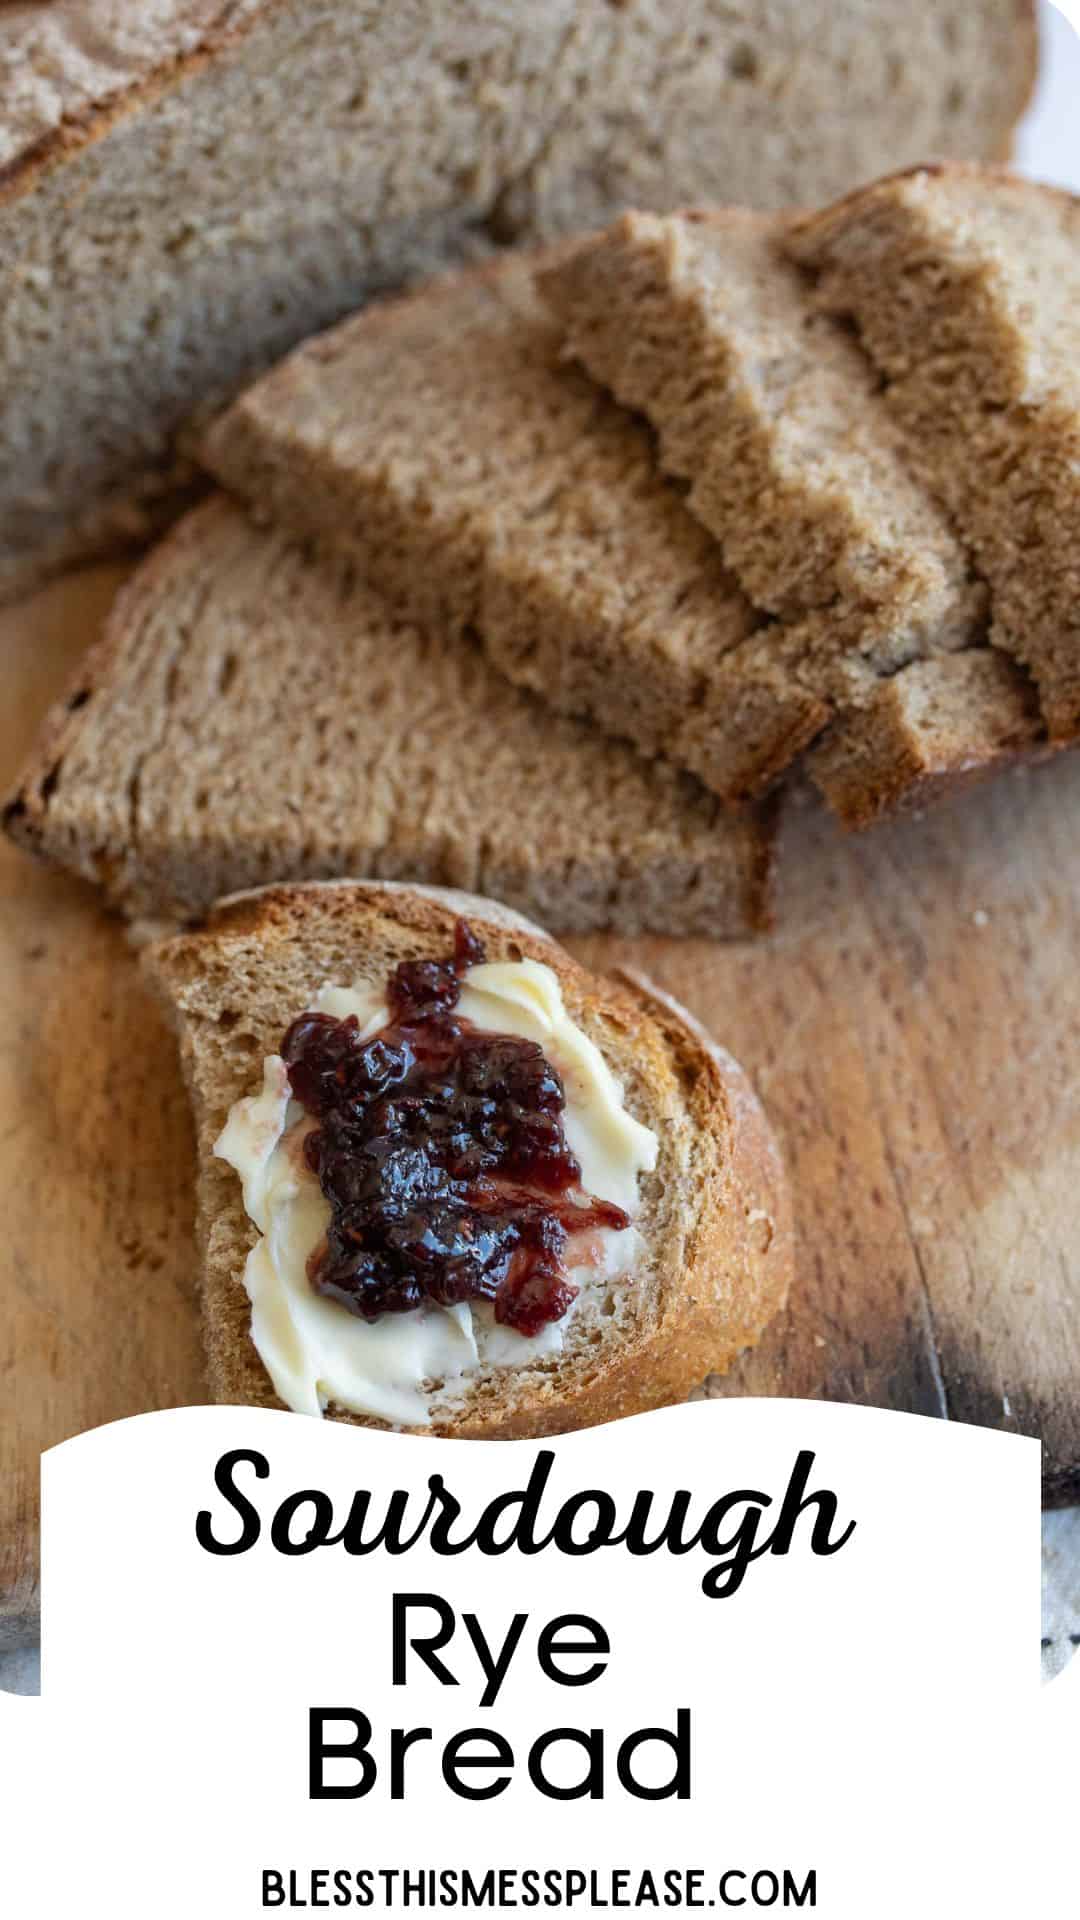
(980, 917)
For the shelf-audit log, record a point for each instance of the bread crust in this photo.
(25, 808)
(22, 815)
(892, 779)
(884, 765)
(809, 219)
(738, 1246)
(91, 123)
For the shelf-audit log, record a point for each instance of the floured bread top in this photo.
(397, 1365)
(58, 61)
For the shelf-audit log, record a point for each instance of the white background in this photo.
(1048, 145)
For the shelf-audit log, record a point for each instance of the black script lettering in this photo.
(224, 1482)
(797, 1501)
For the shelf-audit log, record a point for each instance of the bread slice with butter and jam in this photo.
(452, 1183)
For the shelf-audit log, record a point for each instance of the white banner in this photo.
(738, 1655)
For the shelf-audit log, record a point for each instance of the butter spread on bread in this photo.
(313, 1348)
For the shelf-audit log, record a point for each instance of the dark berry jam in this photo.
(442, 1154)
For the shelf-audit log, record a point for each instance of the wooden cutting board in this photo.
(914, 1028)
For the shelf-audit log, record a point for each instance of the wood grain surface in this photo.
(913, 1028)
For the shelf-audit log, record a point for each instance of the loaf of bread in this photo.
(189, 187)
(251, 715)
(715, 1248)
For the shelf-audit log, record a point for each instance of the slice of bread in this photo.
(188, 188)
(714, 1214)
(251, 715)
(937, 726)
(767, 411)
(964, 287)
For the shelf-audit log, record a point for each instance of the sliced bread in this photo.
(251, 715)
(493, 488)
(188, 188)
(926, 732)
(767, 411)
(964, 288)
(715, 1259)
(496, 488)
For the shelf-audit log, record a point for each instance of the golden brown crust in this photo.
(905, 784)
(820, 219)
(94, 121)
(884, 765)
(758, 1198)
(23, 811)
(736, 1245)
(273, 913)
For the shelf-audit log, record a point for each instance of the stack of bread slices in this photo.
(543, 580)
